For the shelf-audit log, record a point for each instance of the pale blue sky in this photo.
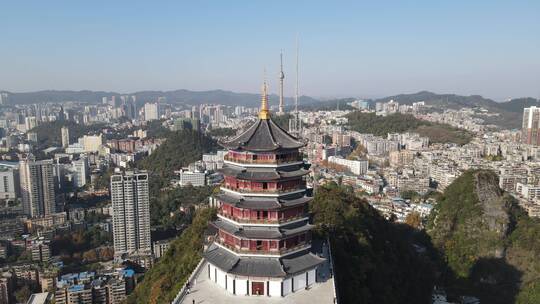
(359, 48)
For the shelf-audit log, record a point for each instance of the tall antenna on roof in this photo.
(297, 80)
(281, 77)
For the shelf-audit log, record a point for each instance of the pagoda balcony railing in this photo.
(276, 252)
(261, 221)
(258, 190)
(264, 161)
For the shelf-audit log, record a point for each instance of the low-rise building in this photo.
(187, 177)
(357, 167)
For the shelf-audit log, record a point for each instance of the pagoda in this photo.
(263, 242)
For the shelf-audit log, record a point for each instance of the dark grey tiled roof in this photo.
(263, 203)
(249, 266)
(265, 233)
(300, 262)
(263, 135)
(301, 227)
(255, 266)
(251, 232)
(261, 266)
(263, 173)
(252, 203)
(221, 257)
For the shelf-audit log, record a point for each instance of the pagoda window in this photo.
(244, 244)
(273, 244)
(265, 214)
(259, 245)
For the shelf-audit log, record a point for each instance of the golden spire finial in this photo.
(264, 113)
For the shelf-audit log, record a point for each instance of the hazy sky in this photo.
(359, 48)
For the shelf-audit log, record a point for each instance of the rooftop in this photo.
(39, 298)
(263, 135)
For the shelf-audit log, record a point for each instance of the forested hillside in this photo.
(49, 134)
(375, 260)
(489, 243)
(399, 123)
(163, 281)
(180, 149)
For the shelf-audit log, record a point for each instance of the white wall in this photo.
(275, 288)
(212, 273)
(220, 278)
(241, 287)
(311, 277)
(300, 281)
(287, 286)
(230, 283)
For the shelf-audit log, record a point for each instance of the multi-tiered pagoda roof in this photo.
(263, 220)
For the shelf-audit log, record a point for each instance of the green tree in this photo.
(23, 294)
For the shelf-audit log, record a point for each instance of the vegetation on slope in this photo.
(180, 149)
(163, 281)
(489, 243)
(165, 206)
(374, 259)
(222, 132)
(282, 120)
(49, 134)
(328, 105)
(399, 123)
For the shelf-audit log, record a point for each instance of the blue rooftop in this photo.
(129, 273)
(76, 288)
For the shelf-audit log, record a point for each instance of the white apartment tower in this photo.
(80, 170)
(65, 136)
(131, 213)
(151, 111)
(37, 186)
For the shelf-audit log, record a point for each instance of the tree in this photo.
(399, 123)
(414, 220)
(90, 256)
(23, 294)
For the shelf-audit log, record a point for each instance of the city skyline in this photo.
(355, 49)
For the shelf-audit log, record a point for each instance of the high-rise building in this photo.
(32, 137)
(131, 213)
(37, 186)
(531, 125)
(65, 136)
(80, 170)
(91, 143)
(4, 98)
(263, 244)
(151, 111)
(30, 122)
(9, 180)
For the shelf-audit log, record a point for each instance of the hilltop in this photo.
(488, 242)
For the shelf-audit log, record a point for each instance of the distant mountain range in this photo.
(510, 112)
(177, 96)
